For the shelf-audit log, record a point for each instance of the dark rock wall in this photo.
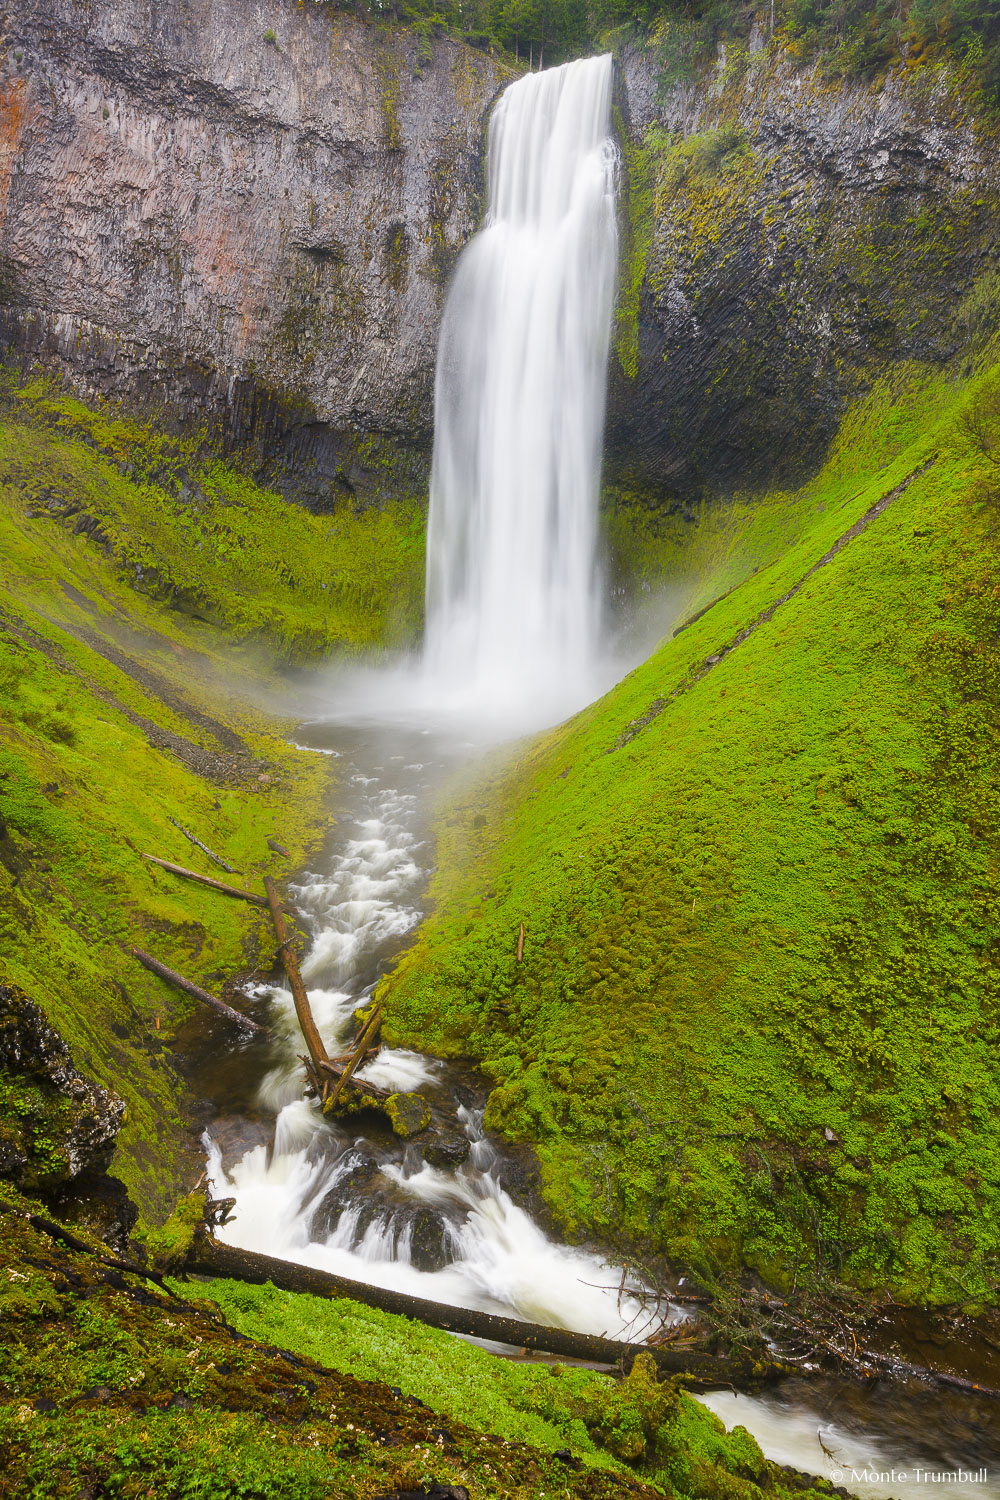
(245, 212)
(846, 228)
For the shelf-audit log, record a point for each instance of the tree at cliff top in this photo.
(853, 38)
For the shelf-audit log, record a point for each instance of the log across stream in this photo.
(447, 1216)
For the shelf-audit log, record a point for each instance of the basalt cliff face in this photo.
(244, 212)
(248, 214)
(788, 239)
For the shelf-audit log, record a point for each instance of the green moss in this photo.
(189, 529)
(641, 164)
(757, 882)
(106, 1383)
(653, 1429)
(167, 1247)
(408, 1114)
(149, 595)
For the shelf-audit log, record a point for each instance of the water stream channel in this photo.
(350, 1197)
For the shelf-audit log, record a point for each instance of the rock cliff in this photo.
(787, 239)
(248, 212)
(244, 211)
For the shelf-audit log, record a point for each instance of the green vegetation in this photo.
(757, 1016)
(149, 593)
(657, 1430)
(851, 38)
(186, 527)
(109, 1387)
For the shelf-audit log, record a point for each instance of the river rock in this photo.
(353, 1189)
(425, 1229)
(408, 1114)
(446, 1152)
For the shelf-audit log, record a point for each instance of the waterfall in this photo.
(513, 602)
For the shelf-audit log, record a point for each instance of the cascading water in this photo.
(513, 602)
(347, 1195)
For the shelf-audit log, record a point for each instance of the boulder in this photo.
(408, 1114)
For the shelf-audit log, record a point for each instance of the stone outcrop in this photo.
(797, 238)
(57, 1128)
(247, 213)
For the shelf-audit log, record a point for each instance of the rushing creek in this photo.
(352, 1198)
(514, 626)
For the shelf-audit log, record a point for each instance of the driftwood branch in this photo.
(864, 1363)
(364, 1041)
(216, 859)
(215, 885)
(210, 1257)
(303, 1010)
(178, 980)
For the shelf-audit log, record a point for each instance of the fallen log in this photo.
(367, 1032)
(216, 858)
(210, 1257)
(195, 990)
(215, 885)
(303, 1010)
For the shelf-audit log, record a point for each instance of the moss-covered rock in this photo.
(408, 1114)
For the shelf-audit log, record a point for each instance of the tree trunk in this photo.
(367, 1032)
(303, 1010)
(210, 1257)
(172, 977)
(215, 885)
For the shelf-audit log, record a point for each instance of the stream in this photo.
(352, 1198)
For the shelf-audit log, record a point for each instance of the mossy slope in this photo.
(656, 1430)
(147, 597)
(112, 1389)
(756, 1020)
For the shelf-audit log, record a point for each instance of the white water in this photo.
(493, 1256)
(867, 1465)
(513, 598)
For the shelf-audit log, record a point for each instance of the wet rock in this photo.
(67, 1124)
(747, 345)
(100, 1203)
(409, 1227)
(408, 1114)
(425, 1230)
(354, 1189)
(446, 1152)
(235, 1135)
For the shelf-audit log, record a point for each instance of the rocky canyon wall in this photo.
(245, 210)
(247, 213)
(788, 239)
